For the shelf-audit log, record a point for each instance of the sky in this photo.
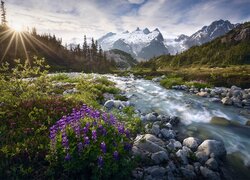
(71, 19)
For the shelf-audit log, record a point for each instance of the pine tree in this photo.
(3, 14)
(85, 47)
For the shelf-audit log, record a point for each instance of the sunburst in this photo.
(21, 38)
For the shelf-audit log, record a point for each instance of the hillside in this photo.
(26, 45)
(230, 49)
(122, 59)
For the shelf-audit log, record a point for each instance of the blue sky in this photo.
(70, 19)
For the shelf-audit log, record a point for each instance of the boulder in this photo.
(248, 123)
(183, 154)
(109, 104)
(209, 174)
(227, 101)
(201, 157)
(159, 157)
(220, 121)
(174, 120)
(150, 117)
(188, 172)
(155, 129)
(191, 142)
(236, 101)
(156, 171)
(212, 164)
(147, 143)
(216, 100)
(246, 102)
(202, 94)
(162, 118)
(168, 134)
(212, 146)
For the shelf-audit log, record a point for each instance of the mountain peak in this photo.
(125, 32)
(146, 31)
(137, 29)
(156, 29)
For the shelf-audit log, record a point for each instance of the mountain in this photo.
(231, 49)
(123, 60)
(141, 44)
(204, 35)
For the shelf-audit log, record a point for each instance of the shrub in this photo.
(89, 143)
(171, 81)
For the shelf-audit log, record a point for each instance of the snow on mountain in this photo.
(205, 34)
(138, 43)
(145, 44)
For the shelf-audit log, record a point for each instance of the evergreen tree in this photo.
(3, 14)
(85, 47)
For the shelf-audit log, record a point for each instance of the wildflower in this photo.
(86, 140)
(116, 155)
(103, 147)
(100, 161)
(94, 135)
(80, 146)
(67, 157)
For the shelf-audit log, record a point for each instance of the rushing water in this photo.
(195, 112)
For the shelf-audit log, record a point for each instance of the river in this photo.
(195, 113)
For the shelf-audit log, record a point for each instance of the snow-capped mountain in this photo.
(141, 44)
(144, 44)
(206, 34)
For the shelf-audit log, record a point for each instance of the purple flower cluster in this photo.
(87, 132)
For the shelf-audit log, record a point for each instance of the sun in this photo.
(17, 27)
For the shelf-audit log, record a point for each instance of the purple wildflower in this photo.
(80, 146)
(127, 133)
(121, 129)
(103, 147)
(100, 161)
(116, 155)
(94, 135)
(127, 146)
(86, 140)
(67, 157)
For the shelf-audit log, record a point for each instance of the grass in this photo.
(214, 76)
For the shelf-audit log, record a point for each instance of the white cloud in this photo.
(136, 1)
(72, 19)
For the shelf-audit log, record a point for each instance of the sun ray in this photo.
(24, 47)
(8, 47)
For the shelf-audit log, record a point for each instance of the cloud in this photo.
(72, 19)
(136, 1)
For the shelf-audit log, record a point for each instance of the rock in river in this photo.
(214, 147)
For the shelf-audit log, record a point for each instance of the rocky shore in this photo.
(164, 154)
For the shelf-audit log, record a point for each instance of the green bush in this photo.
(198, 84)
(171, 81)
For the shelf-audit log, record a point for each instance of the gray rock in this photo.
(177, 145)
(209, 174)
(156, 171)
(248, 123)
(162, 118)
(183, 155)
(151, 117)
(174, 120)
(137, 173)
(155, 129)
(191, 142)
(70, 91)
(159, 157)
(168, 134)
(188, 172)
(197, 166)
(201, 157)
(227, 101)
(109, 104)
(212, 146)
(215, 100)
(246, 102)
(147, 143)
(212, 164)
(236, 101)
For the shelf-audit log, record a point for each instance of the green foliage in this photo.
(171, 81)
